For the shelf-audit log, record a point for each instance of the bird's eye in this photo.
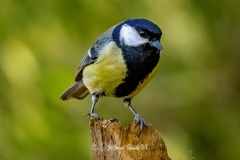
(143, 34)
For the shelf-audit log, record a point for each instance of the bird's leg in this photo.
(137, 118)
(95, 98)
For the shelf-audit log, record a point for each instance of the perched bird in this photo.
(119, 64)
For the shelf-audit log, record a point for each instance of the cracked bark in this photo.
(111, 141)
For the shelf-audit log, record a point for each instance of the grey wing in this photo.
(87, 60)
(94, 52)
(79, 90)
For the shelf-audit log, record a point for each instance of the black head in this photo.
(136, 33)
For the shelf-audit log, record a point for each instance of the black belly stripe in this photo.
(140, 65)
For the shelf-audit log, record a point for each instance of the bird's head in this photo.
(138, 33)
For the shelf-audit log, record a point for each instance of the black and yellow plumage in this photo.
(120, 63)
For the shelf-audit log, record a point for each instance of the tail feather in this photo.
(78, 90)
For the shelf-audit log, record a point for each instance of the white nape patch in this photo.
(130, 37)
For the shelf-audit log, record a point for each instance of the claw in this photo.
(140, 121)
(137, 118)
(95, 98)
(93, 115)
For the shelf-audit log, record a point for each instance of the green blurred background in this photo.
(193, 100)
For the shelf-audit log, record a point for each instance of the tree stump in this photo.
(111, 141)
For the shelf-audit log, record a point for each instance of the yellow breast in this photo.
(107, 72)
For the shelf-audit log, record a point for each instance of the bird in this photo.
(119, 64)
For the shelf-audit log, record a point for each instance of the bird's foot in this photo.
(139, 120)
(93, 115)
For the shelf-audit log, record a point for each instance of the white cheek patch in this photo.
(130, 37)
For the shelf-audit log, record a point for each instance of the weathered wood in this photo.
(111, 141)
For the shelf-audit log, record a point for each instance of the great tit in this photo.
(119, 64)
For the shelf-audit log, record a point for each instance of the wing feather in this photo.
(94, 52)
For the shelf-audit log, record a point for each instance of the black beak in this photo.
(157, 45)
